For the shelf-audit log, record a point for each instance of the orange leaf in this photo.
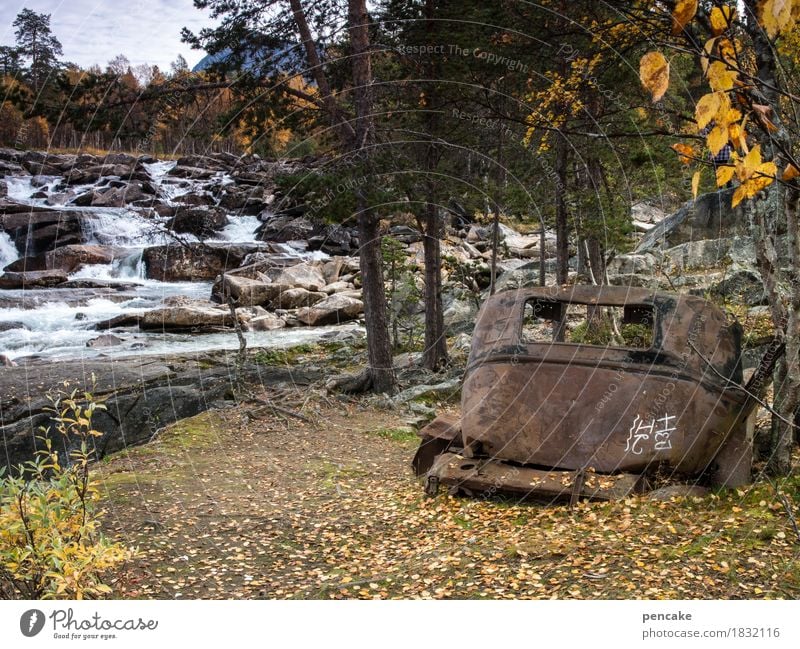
(685, 152)
(790, 173)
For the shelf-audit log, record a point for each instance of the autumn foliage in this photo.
(724, 115)
(51, 546)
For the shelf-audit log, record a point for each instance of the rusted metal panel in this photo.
(676, 402)
(485, 478)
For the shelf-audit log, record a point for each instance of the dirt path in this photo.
(225, 505)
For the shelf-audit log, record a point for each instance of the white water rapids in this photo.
(57, 323)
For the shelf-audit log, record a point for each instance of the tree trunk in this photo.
(562, 231)
(379, 346)
(435, 354)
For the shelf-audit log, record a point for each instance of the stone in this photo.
(190, 317)
(67, 258)
(709, 217)
(5, 361)
(460, 315)
(8, 325)
(42, 228)
(203, 222)
(332, 310)
(33, 279)
(245, 291)
(332, 239)
(105, 340)
(446, 389)
(295, 298)
(193, 261)
(338, 287)
(281, 229)
(302, 276)
(267, 322)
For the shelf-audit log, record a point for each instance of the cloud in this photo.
(95, 31)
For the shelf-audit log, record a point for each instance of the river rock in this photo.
(295, 298)
(203, 222)
(246, 291)
(5, 361)
(33, 279)
(281, 229)
(266, 322)
(303, 276)
(10, 324)
(194, 173)
(332, 310)
(42, 228)
(67, 258)
(106, 340)
(333, 240)
(189, 317)
(193, 261)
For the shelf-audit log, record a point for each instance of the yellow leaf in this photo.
(707, 108)
(717, 138)
(695, 183)
(776, 16)
(724, 175)
(727, 50)
(753, 158)
(707, 53)
(734, 132)
(654, 74)
(738, 195)
(790, 173)
(684, 11)
(685, 152)
(720, 76)
(721, 17)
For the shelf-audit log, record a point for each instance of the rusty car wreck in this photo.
(566, 420)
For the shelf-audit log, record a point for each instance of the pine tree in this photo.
(36, 43)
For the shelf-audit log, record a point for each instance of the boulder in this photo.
(42, 228)
(190, 317)
(245, 291)
(332, 310)
(119, 196)
(303, 276)
(203, 222)
(33, 279)
(67, 258)
(194, 173)
(105, 340)
(709, 217)
(266, 322)
(281, 229)
(193, 261)
(8, 325)
(333, 240)
(295, 298)
(338, 287)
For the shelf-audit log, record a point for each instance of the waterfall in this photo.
(8, 251)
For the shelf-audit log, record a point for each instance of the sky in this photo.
(95, 31)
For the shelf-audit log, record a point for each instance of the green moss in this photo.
(403, 434)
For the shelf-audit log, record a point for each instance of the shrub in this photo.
(51, 546)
